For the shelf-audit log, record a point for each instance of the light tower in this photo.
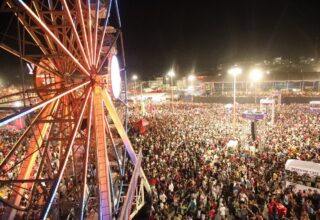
(234, 71)
(255, 76)
(171, 74)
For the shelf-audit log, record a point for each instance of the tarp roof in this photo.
(301, 166)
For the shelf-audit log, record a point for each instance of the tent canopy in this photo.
(302, 167)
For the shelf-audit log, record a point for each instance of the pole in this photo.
(234, 103)
(272, 114)
(171, 93)
(222, 89)
(21, 63)
(246, 87)
(255, 93)
(141, 101)
(141, 93)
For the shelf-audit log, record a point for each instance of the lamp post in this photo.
(166, 84)
(191, 79)
(134, 78)
(255, 76)
(234, 71)
(171, 74)
(142, 99)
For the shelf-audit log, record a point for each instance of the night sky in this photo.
(201, 34)
(198, 35)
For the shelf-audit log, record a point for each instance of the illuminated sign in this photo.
(115, 77)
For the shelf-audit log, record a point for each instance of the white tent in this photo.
(301, 167)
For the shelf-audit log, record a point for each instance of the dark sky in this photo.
(201, 34)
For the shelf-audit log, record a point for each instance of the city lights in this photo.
(235, 71)
(171, 73)
(191, 78)
(134, 77)
(256, 75)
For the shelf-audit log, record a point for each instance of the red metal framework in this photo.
(73, 159)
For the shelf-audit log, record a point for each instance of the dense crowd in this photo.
(8, 137)
(284, 93)
(194, 174)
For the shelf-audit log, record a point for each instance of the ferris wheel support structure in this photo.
(76, 140)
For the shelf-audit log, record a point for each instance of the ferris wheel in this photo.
(74, 159)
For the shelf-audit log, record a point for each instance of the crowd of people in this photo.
(195, 174)
(266, 93)
(7, 139)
